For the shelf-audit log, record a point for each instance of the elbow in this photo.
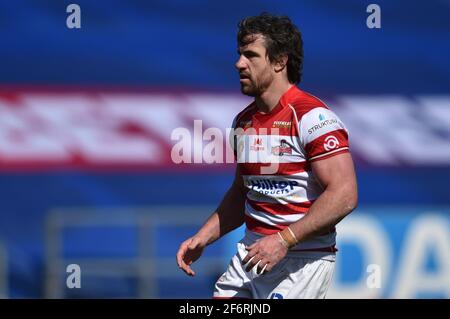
(351, 201)
(352, 204)
(349, 198)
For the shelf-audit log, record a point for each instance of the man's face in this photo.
(255, 69)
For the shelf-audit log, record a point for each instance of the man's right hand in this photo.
(190, 250)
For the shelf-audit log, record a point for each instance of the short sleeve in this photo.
(322, 134)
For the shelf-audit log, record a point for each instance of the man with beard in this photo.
(291, 211)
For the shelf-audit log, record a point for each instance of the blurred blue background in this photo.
(86, 117)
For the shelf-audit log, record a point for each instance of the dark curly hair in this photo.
(282, 37)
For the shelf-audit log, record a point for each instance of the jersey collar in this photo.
(284, 101)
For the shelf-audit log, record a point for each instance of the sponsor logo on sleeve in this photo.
(331, 142)
(323, 122)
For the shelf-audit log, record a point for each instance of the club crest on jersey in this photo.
(257, 144)
(282, 149)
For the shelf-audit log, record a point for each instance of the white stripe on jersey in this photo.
(331, 152)
(270, 219)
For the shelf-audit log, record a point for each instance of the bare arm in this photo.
(337, 176)
(227, 217)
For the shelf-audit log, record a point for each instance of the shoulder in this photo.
(304, 103)
(312, 112)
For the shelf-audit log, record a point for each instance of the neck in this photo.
(267, 101)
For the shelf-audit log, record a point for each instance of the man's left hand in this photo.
(265, 253)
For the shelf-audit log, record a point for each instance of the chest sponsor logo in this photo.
(270, 187)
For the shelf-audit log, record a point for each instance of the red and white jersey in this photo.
(274, 152)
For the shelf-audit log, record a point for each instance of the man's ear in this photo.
(280, 63)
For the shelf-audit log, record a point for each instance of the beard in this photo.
(249, 89)
(256, 87)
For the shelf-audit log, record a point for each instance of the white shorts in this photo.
(300, 275)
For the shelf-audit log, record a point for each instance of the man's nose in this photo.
(240, 64)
